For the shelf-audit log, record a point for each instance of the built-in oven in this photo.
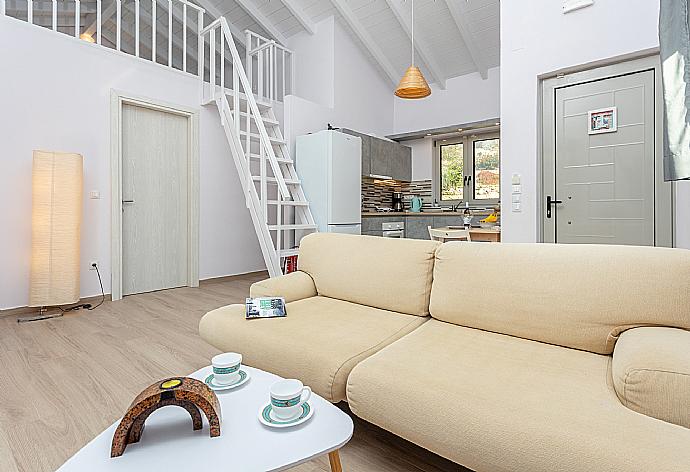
(393, 230)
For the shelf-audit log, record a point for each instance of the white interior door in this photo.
(155, 209)
(605, 183)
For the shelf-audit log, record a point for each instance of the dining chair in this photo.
(443, 235)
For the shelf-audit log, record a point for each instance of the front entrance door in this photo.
(155, 208)
(604, 183)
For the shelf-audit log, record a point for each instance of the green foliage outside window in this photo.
(452, 162)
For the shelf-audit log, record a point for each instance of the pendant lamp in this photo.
(413, 84)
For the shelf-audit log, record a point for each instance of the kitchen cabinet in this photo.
(417, 227)
(401, 162)
(384, 157)
(447, 220)
(374, 224)
(381, 156)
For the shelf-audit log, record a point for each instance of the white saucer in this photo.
(267, 418)
(216, 387)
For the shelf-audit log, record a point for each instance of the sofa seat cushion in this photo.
(493, 403)
(319, 342)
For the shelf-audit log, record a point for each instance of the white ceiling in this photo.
(453, 37)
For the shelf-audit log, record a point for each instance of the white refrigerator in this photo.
(329, 164)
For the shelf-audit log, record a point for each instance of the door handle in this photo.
(549, 203)
(127, 201)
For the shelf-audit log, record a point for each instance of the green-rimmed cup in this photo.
(226, 368)
(287, 398)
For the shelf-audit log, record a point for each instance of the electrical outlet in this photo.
(92, 265)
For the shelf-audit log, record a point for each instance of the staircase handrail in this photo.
(265, 141)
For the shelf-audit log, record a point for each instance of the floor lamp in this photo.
(55, 231)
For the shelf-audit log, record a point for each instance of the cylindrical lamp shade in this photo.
(55, 228)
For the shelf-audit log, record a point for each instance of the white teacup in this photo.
(226, 368)
(287, 398)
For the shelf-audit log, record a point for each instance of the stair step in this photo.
(282, 160)
(297, 226)
(289, 203)
(260, 103)
(289, 252)
(266, 120)
(256, 178)
(256, 137)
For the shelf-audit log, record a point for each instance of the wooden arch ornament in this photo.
(185, 392)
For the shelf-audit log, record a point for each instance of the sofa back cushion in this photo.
(579, 296)
(391, 274)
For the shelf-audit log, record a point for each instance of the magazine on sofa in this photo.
(265, 307)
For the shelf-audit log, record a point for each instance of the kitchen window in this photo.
(468, 170)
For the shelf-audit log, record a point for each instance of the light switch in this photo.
(516, 179)
(517, 207)
(95, 195)
(517, 188)
(517, 198)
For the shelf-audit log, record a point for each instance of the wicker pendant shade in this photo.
(413, 84)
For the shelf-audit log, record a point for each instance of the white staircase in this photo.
(274, 195)
(171, 33)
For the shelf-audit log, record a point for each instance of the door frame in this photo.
(117, 100)
(664, 192)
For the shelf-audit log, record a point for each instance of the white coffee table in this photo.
(245, 445)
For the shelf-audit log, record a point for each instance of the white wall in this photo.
(467, 99)
(315, 64)
(422, 158)
(361, 98)
(536, 38)
(56, 96)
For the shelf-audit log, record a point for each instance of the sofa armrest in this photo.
(294, 286)
(651, 372)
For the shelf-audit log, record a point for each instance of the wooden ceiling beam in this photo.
(263, 21)
(458, 12)
(366, 39)
(300, 15)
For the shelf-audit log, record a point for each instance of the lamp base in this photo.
(42, 315)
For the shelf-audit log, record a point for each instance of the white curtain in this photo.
(674, 40)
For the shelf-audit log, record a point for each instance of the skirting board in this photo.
(29, 310)
(227, 278)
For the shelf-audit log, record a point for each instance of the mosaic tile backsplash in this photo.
(379, 193)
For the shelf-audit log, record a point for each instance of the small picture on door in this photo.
(603, 120)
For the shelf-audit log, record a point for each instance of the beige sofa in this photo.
(534, 357)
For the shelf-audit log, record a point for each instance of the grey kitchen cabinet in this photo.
(381, 156)
(366, 149)
(375, 223)
(417, 227)
(447, 220)
(401, 162)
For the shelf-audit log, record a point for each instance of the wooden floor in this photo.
(63, 381)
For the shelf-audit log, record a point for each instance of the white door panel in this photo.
(155, 163)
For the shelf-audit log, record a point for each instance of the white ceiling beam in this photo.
(421, 46)
(458, 12)
(213, 10)
(300, 15)
(262, 20)
(367, 40)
